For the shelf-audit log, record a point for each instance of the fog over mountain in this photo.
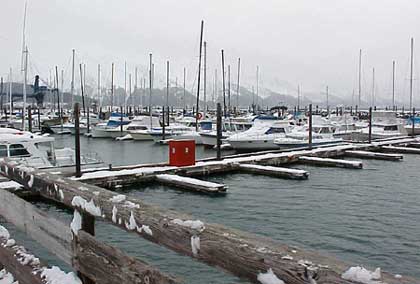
(311, 43)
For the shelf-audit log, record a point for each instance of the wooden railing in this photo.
(242, 254)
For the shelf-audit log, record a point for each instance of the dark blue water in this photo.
(369, 217)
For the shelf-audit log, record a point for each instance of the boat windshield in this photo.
(3, 151)
(273, 130)
(391, 128)
(18, 150)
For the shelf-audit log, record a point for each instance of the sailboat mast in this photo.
(258, 71)
(411, 73)
(167, 84)
(229, 104)
(112, 86)
(393, 84)
(328, 103)
(150, 90)
(99, 86)
(199, 74)
(223, 83)
(183, 98)
(298, 100)
(205, 79)
(237, 86)
(373, 87)
(72, 80)
(125, 85)
(25, 81)
(10, 92)
(360, 77)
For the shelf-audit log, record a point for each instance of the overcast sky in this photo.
(313, 43)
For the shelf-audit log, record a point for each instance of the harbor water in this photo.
(366, 217)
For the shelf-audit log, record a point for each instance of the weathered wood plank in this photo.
(105, 264)
(240, 253)
(373, 155)
(37, 224)
(191, 184)
(56, 237)
(11, 258)
(275, 171)
(327, 162)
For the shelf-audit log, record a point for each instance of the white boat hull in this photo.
(253, 145)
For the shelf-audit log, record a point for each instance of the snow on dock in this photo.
(191, 183)
(274, 171)
(373, 155)
(328, 162)
(402, 150)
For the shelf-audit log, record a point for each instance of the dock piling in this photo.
(77, 138)
(219, 131)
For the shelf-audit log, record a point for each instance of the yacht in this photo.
(229, 128)
(38, 150)
(140, 126)
(175, 132)
(115, 127)
(321, 135)
(261, 135)
(384, 125)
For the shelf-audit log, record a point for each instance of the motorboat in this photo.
(321, 135)
(38, 151)
(115, 127)
(229, 128)
(261, 135)
(384, 125)
(140, 126)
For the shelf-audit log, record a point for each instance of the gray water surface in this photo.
(368, 217)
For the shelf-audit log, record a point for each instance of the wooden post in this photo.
(121, 120)
(370, 125)
(88, 225)
(219, 131)
(167, 116)
(310, 126)
(29, 118)
(163, 123)
(413, 126)
(39, 118)
(77, 138)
